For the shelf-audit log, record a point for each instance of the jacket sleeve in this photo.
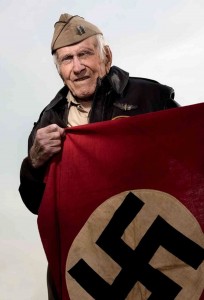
(31, 186)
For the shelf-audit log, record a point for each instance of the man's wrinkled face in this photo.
(79, 66)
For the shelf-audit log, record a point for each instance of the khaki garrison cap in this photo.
(70, 30)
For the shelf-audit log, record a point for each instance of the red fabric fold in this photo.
(161, 151)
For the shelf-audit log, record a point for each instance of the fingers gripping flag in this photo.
(122, 214)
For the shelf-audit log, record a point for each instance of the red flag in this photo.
(122, 214)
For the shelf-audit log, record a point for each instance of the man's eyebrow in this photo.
(65, 55)
(86, 49)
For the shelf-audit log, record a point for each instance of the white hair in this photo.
(101, 46)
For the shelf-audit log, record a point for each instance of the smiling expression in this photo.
(80, 65)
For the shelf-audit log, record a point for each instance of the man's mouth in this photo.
(82, 78)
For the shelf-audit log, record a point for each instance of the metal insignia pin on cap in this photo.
(81, 29)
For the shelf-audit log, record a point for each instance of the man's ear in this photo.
(108, 58)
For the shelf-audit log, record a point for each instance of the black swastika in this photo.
(135, 263)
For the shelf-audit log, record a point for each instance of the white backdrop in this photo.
(160, 39)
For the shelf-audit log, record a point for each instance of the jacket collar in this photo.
(117, 78)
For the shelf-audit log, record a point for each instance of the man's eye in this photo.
(84, 54)
(66, 59)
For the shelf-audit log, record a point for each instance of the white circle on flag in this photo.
(155, 204)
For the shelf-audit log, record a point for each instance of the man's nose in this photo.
(77, 65)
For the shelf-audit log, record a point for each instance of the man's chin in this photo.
(84, 96)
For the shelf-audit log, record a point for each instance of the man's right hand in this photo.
(47, 142)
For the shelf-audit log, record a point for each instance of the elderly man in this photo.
(93, 91)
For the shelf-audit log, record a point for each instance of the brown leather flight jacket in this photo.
(116, 95)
